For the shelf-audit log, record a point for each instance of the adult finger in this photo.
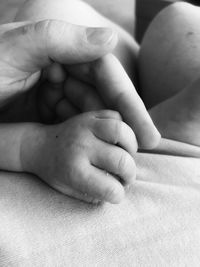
(51, 94)
(82, 95)
(33, 46)
(119, 93)
(65, 110)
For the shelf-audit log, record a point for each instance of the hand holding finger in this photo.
(118, 92)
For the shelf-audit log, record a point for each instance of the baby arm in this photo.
(89, 157)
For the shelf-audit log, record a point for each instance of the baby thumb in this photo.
(35, 45)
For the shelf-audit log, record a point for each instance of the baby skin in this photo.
(91, 156)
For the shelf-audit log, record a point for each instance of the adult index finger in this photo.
(119, 93)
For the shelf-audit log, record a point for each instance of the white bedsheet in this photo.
(156, 225)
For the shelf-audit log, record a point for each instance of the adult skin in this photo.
(169, 66)
(78, 12)
(147, 135)
(59, 153)
(168, 60)
(56, 153)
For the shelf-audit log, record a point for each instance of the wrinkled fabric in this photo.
(156, 225)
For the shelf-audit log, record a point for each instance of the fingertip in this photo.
(150, 140)
(56, 73)
(115, 195)
(117, 199)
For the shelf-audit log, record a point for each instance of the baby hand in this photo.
(98, 85)
(89, 157)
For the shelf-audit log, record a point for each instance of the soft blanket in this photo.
(156, 225)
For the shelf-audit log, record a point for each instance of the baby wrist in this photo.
(31, 147)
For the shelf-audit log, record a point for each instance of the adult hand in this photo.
(115, 88)
(26, 48)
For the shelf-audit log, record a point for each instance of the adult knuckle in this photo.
(42, 26)
(25, 29)
(52, 30)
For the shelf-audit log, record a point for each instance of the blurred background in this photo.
(145, 11)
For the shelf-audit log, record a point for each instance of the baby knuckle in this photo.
(95, 201)
(124, 163)
(72, 172)
(76, 167)
(110, 193)
(89, 182)
(92, 200)
(116, 127)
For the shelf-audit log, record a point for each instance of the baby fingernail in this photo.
(99, 36)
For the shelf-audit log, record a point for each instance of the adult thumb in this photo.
(35, 45)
